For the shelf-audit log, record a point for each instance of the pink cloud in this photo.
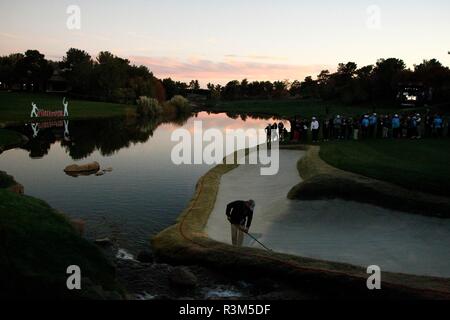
(223, 71)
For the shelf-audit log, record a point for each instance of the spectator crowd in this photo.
(368, 126)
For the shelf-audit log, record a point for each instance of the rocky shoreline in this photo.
(151, 279)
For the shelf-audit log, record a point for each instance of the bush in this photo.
(148, 107)
(180, 104)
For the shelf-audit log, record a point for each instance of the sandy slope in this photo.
(334, 230)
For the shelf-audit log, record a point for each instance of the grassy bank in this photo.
(37, 244)
(291, 108)
(16, 107)
(421, 165)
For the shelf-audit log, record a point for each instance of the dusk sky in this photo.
(220, 41)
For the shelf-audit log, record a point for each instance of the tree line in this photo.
(105, 77)
(108, 77)
(379, 83)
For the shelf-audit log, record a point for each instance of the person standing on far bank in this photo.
(240, 214)
(315, 129)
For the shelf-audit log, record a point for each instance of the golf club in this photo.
(256, 240)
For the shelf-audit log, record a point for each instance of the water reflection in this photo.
(143, 194)
(81, 138)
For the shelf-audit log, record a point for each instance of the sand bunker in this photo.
(333, 230)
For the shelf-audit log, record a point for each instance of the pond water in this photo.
(143, 194)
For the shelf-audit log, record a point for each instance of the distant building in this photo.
(414, 95)
(57, 83)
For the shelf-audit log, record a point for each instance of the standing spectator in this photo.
(286, 134)
(275, 131)
(428, 124)
(304, 128)
(356, 126)
(268, 133)
(396, 126)
(372, 124)
(349, 131)
(419, 126)
(404, 126)
(315, 130)
(438, 125)
(297, 130)
(338, 127)
(412, 127)
(380, 124)
(385, 127)
(365, 123)
(281, 131)
(326, 128)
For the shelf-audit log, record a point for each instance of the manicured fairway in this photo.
(414, 164)
(16, 107)
(291, 108)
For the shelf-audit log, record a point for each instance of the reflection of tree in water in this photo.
(106, 135)
(39, 146)
(243, 115)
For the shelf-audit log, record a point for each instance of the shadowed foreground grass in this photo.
(37, 244)
(16, 107)
(421, 165)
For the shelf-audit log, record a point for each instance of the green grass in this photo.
(9, 138)
(421, 165)
(291, 108)
(37, 244)
(16, 107)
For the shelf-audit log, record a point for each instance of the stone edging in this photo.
(187, 242)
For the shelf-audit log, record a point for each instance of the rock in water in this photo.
(183, 277)
(145, 256)
(100, 173)
(92, 167)
(108, 169)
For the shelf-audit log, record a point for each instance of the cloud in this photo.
(9, 35)
(223, 71)
(256, 57)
